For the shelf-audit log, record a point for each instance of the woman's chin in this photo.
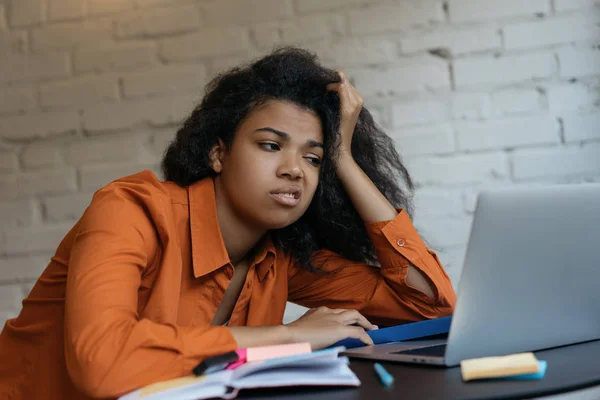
(278, 223)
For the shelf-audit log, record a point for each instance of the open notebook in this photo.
(319, 368)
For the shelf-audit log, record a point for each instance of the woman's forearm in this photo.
(251, 336)
(373, 206)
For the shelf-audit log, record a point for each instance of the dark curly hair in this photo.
(294, 75)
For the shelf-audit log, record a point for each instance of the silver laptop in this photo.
(530, 281)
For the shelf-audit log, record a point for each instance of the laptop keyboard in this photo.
(433, 351)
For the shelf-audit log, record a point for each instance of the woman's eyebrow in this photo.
(286, 136)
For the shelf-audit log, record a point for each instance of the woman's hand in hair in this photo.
(351, 103)
(322, 327)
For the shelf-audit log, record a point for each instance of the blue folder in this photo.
(413, 330)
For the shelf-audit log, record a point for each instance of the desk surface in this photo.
(569, 368)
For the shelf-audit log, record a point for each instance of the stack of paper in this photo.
(320, 368)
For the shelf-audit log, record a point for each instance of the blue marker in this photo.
(386, 379)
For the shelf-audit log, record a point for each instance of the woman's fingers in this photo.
(353, 317)
(356, 332)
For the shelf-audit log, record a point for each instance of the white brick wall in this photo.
(476, 94)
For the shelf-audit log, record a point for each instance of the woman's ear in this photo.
(217, 155)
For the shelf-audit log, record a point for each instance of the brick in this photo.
(544, 163)
(3, 19)
(475, 10)
(233, 12)
(19, 213)
(6, 315)
(13, 42)
(35, 239)
(208, 43)
(220, 64)
(515, 101)
(79, 92)
(67, 35)
(582, 127)
(8, 162)
(129, 148)
(458, 41)
(453, 260)
(400, 17)
(102, 7)
(578, 62)
(159, 111)
(419, 112)
(152, 3)
(444, 232)
(42, 155)
(267, 34)
(425, 140)
(468, 168)
(572, 97)
(16, 99)
(39, 125)
(357, 52)
(508, 133)
(66, 207)
(430, 202)
(503, 70)
(26, 12)
(378, 116)
(66, 9)
(158, 21)
(471, 194)
(21, 268)
(94, 177)
(160, 140)
(174, 79)
(471, 106)
(307, 6)
(46, 182)
(10, 297)
(425, 75)
(568, 5)
(312, 28)
(8, 183)
(120, 57)
(34, 67)
(553, 31)
(27, 287)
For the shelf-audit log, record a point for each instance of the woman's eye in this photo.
(270, 146)
(314, 161)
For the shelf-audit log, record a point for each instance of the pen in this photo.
(386, 379)
(216, 363)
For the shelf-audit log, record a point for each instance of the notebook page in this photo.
(330, 374)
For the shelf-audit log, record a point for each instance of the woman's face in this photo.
(270, 173)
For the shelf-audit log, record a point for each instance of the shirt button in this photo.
(400, 242)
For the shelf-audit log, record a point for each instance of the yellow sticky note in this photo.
(170, 384)
(497, 367)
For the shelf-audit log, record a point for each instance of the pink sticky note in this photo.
(283, 350)
(241, 361)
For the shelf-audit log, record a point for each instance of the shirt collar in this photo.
(208, 249)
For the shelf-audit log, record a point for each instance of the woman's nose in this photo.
(291, 169)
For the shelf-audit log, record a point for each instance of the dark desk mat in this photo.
(569, 368)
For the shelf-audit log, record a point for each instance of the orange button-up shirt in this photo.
(128, 298)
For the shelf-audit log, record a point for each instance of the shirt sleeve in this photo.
(110, 350)
(380, 293)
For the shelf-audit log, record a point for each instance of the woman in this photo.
(279, 187)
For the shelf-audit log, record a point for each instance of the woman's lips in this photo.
(285, 199)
